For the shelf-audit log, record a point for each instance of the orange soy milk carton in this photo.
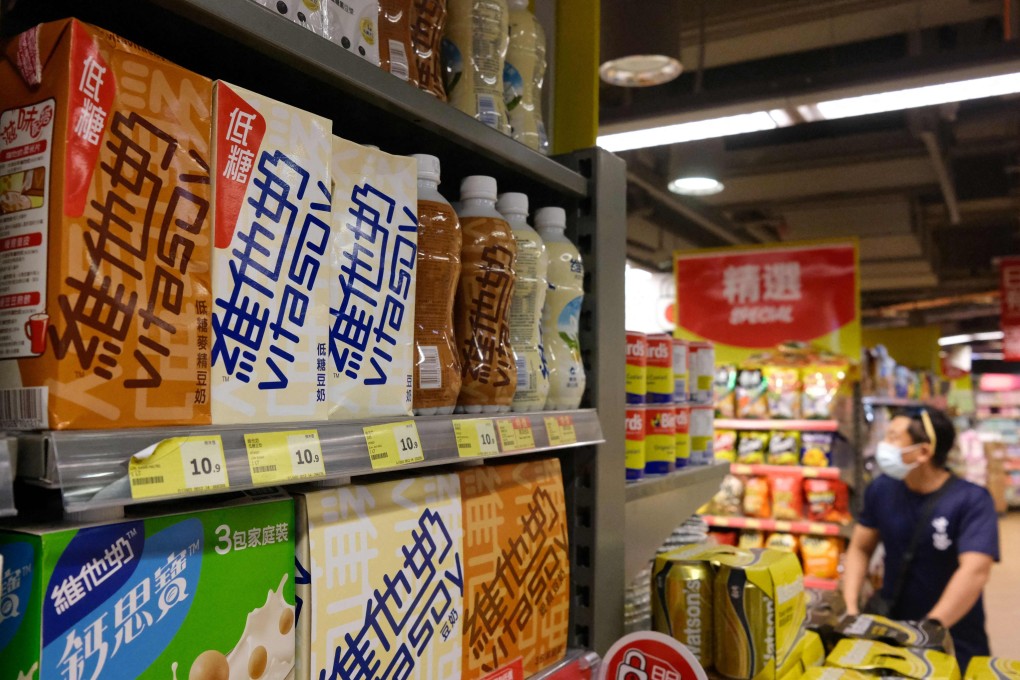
(105, 234)
(516, 567)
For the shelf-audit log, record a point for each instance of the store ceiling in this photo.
(933, 193)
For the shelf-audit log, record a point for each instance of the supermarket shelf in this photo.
(578, 663)
(802, 470)
(323, 77)
(8, 458)
(802, 425)
(796, 527)
(91, 467)
(820, 583)
(658, 505)
(893, 402)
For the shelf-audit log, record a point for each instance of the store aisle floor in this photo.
(1002, 595)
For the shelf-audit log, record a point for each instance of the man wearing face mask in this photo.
(940, 534)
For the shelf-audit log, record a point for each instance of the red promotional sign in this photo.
(238, 137)
(757, 298)
(650, 656)
(1009, 310)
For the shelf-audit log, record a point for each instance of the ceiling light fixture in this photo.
(696, 186)
(963, 339)
(639, 47)
(992, 80)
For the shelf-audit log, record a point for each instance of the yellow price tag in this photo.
(823, 529)
(393, 444)
(753, 524)
(515, 434)
(475, 438)
(560, 430)
(177, 466)
(276, 457)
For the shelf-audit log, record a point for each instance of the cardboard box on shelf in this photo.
(202, 594)
(381, 573)
(516, 567)
(105, 233)
(271, 184)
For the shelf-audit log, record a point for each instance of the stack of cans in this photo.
(669, 403)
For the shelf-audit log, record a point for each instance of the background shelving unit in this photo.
(744, 424)
(243, 43)
(781, 525)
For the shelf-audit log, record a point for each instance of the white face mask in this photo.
(890, 460)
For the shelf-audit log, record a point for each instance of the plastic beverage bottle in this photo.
(523, 74)
(482, 311)
(437, 361)
(562, 312)
(428, 20)
(474, 48)
(526, 307)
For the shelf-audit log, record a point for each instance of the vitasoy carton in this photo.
(271, 184)
(105, 233)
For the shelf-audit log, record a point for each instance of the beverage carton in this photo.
(373, 253)
(200, 595)
(992, 668)
(105, 233)
(271, 188)
(516, 567)
(380, 579)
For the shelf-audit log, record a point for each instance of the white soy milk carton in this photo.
(373, 254)
(271, 188)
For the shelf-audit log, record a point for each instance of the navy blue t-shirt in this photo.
(963, 520)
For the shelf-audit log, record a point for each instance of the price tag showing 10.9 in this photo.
(178, 465)
(475, 437)
(393, 444)
(276, 457)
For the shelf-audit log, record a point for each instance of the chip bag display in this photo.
(821, 383)
(820, 556)
(782, 391)
(787, 501)
(751, 538)
(827, 500)
(784, 448)
(725, 386)
(756, 497)
(750, 394)
(751, 447)
(723, 537)
(727, 500)
(816, 449)
(725, 447)
(782, 541)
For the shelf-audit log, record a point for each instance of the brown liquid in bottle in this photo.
(437, 367)
(427, 23)
(396, 53)
(482, 311)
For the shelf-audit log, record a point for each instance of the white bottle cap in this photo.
(551, 218)
(478, 186)
(371, 146)
(513, 203)
(428, 167)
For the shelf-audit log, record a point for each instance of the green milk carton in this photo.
(201, 595)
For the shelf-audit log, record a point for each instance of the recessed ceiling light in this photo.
(695, 186)
(640, 70)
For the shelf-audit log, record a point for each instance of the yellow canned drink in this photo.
(745, 631)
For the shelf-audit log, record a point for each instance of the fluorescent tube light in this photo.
(948, 340)
(914, 97)
(688, 132)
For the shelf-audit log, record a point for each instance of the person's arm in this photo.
(858, 556)
(963, 590)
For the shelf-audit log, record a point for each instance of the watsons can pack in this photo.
(105, 234)
(514, 515)
(373, 255)
(635, 451)
(877, 658)
(270, 262)
(381, 571)
(660, 439)
(659, 369)
(200, 595)
(992, 668)
(637, 367)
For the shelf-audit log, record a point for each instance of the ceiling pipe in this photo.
(683, 210)
(938, 161)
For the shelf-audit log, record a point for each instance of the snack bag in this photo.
(750, 394)
(827, 500)
(727, 500)
(784, 448)
(787, 501)
(816, 449)
(821, 383)
(820, 556)
(723, 537)
(725, 385)
(751, 538)
(756, 497)
(782, 391)
(751, 447)
(725, 447)
(782, 541)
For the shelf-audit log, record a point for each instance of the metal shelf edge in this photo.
(296, 46)
(687, 476)
(8, 460)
